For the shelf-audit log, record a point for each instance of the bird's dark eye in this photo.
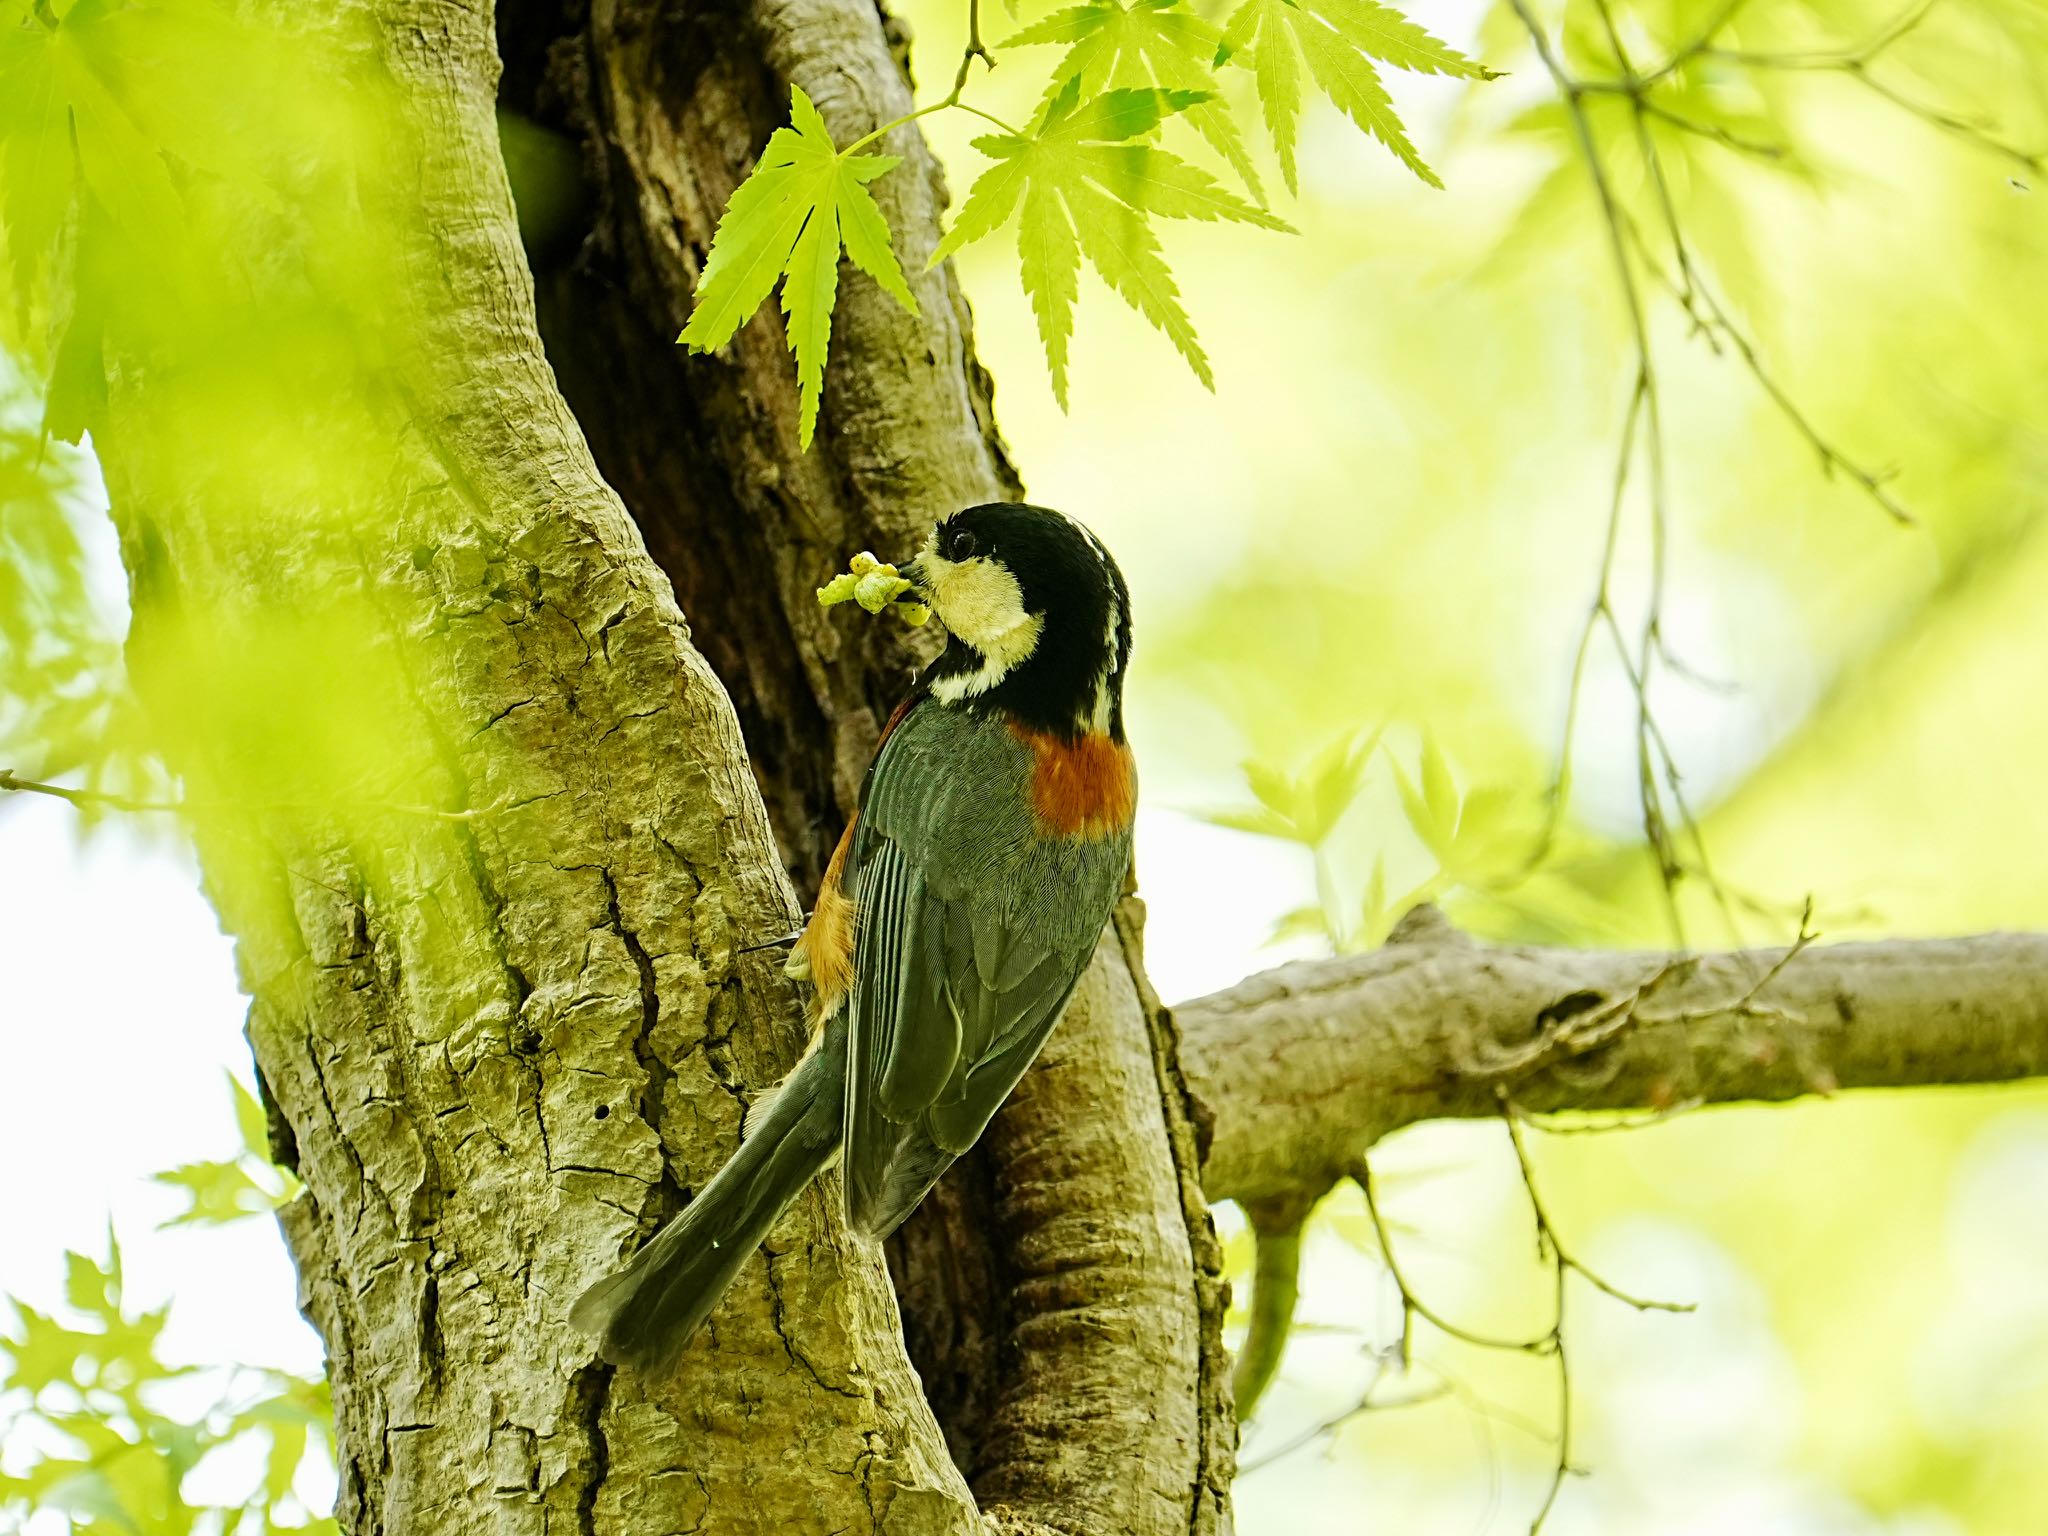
(960, 545)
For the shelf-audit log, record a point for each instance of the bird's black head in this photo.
(1038, 617)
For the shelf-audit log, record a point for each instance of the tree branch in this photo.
(1306, 1066)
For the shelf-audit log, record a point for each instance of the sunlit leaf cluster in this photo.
(804, 204)
(1149, 44)
(91, 1436)
(1488, 852)
(1085, 183)
(1084, 178)
(248, 1184)
(92, 1439)
(1336, 42)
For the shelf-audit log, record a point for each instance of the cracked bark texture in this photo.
(667, 108)
(498, 1045)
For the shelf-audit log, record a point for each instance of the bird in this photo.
(991, 839)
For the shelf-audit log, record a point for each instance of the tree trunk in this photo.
(500, 1008)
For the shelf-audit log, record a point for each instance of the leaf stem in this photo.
(975, 49)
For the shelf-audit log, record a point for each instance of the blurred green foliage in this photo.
(101, 1432)
(65, 707)
(248, 1184)
(100, 1444)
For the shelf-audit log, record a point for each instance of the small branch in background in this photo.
(1855, 62)
(1575, 1025)
(1747, 1005)
(1412, 1305)
(1369, 1401)
(1669, 824)
(1563, 1263)
(1721, 21)
(1276, 1274)
(1551, 1342)
(1547, 1240)
(1608, 1125)
(1645, 408)
(1578, 1029)
(1962, 128)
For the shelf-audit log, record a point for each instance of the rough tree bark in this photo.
(503, 1039)
(669, 109)
(505, 1030)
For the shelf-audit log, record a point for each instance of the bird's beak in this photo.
(912, 571)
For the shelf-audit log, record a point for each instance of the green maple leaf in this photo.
(217, 1193)
(1086, 187)
(1338, 41)
(35, 147)
(99, 92)
(1156, 43)
(64, 82)
(803, 203)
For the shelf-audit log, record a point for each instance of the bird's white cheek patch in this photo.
(977, 600)
(980, 602)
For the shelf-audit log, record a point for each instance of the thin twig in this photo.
(1551, 1126)
(1546, 1229)
(93, 798)
(1762, 149)
(1855, 62)
(1655, 825)
(1413, 1306)
(1702, 41)
(1562, 1467)
(85, 799)
(1560, 786)
(974, 50)
(1563, 1262)
(1860, 54)
(1659, 779)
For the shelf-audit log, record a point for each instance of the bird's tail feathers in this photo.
(644, 1315)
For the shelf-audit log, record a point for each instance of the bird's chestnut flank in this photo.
(955, 918)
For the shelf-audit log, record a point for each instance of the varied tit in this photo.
(955, 918)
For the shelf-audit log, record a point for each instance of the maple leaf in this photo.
(67, 109)
(1338, 41)
(1082, 185)
(35, 151)
(95, 95)
(1156, 43)
(804, 202)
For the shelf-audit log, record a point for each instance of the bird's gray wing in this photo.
(971, 932)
